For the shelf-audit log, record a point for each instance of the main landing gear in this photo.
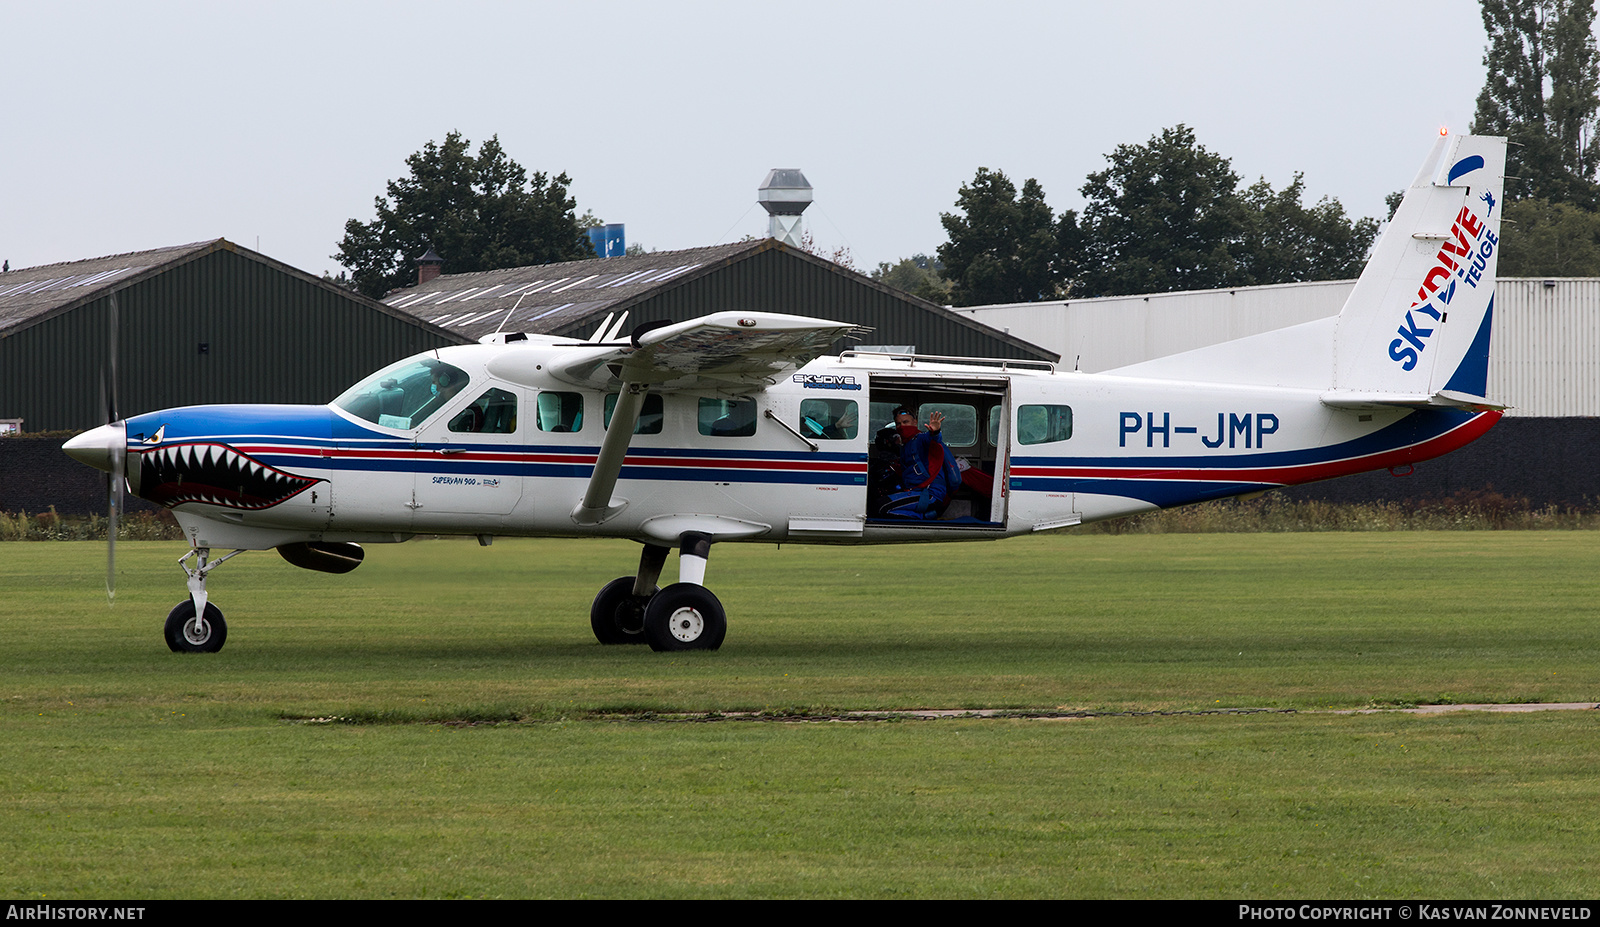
(683, 616)
(195, 625)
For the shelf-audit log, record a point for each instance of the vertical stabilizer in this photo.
(1416, 327)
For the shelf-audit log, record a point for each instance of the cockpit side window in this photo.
(494, 413)
(559, 412)
(405, 395)
(829, 419)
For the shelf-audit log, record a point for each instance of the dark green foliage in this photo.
(919, 275)
(1168, 215)
(1555, 145)
(1003, 247)
(1545, 239)
(1164, 216)
(1287, 242)
(477, 212)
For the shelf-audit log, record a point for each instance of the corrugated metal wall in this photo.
(271, 336)
(1544, 352)
(1544, 357)
(776, 281)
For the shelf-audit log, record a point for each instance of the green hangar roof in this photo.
(200, 323)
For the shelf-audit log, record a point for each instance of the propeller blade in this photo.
(116, 455)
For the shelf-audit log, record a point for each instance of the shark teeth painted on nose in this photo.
(215, 474)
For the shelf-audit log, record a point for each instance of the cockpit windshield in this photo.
(405, 395)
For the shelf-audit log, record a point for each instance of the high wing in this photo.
(732, 352)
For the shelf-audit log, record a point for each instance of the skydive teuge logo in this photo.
(1465, 259)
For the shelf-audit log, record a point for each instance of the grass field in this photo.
(132, 772)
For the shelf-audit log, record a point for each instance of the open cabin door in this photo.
(977, 431)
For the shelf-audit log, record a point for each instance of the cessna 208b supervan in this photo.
(735, 427)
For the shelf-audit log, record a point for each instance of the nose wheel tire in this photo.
(685, 616)
(617, 615)
(186, 634)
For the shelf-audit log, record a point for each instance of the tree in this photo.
(1286, 242)
(1003, 247)
(1168, 215)
(1542, 92)
(1546, 239)
(477, 212)
(1164, 216)
(919, 275)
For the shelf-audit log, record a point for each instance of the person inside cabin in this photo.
(928, 472)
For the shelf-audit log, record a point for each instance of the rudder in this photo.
(1417, 324)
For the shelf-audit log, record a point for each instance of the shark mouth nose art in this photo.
(215, 474)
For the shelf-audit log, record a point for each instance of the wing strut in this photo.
(597, 506)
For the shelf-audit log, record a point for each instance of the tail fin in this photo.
(1415, 330)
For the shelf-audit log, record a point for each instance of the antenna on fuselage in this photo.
(509, 314)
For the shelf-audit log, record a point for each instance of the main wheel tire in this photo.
(617, 615)
(685, 616)
(186, 635)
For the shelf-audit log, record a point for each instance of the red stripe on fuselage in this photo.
(1459, 437)
(752, 463)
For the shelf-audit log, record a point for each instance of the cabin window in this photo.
(960, 422)
(559, 412)
(494, 413)
(650, 417)
(994, 425)
(728, 418)
(404, 395)
(829, 419)
(1043, 424)
(881, 415)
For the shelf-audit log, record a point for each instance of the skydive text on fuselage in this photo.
(826, 381)
(1249, 428)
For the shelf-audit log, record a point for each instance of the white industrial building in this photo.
(1544, 350)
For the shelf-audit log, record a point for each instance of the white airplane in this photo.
(733, 427)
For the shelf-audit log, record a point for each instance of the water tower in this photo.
(785, 194)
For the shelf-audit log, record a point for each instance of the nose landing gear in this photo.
(195, 625)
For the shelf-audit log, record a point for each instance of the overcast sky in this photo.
(139, 125)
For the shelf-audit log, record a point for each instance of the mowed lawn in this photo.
(132, 772)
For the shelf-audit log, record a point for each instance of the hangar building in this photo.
(198, 323)
(764, 275)
(1544, 355)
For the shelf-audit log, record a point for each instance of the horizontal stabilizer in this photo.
(1443, 399)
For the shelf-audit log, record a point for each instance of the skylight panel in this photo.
(458, 295)
(576, 283)
(675, 272)
(486, 291)
(91, 278)
(551, 311)
(627, 278)
(550, 284)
